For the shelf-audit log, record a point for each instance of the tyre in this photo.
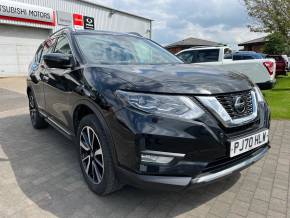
(37, 120)
(95, 156)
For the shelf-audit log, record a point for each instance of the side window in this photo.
(206, 55)
(62, 46)
(228, 53)
(48, 47)
(38, 54)
(186, 56)
(248, 57)
(238, 57)
(279, 58)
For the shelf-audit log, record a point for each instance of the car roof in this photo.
(246, 52)
(204, 48)
(93, 32)
(274, 55)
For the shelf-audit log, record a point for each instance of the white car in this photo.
(260, 71)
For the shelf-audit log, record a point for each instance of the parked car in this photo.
(246, 55)
(281, 64)
(287, 61)
(141, 116)
(260, 71)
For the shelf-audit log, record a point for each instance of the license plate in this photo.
(248, 143)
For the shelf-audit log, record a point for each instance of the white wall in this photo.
(17, 48)
(20, 41)
(119, 22)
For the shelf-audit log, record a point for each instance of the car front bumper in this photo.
(176, 183)
(201, 148)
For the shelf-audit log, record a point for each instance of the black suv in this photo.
(140, 116)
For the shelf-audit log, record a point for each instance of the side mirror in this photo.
(58, 60)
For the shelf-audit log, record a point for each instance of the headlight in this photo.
(259, 94)
(166, 105)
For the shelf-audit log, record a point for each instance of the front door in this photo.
(57, 90)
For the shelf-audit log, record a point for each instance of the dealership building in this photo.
(24, 24)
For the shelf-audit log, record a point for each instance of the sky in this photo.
(223, 21)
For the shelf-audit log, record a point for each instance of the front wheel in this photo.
(95, 156)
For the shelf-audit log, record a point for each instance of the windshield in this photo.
(122, 49)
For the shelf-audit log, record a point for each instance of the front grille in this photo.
(228, 101)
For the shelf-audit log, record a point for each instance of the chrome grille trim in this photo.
(228, 100)
(213, 104)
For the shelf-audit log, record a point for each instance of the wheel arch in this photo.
(28, 90)
(86, 107)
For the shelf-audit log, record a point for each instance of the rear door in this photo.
(34, 73)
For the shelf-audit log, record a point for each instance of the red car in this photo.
(281, 64)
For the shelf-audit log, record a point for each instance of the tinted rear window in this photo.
(277, 58)
(199, 56)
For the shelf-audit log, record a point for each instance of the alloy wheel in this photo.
(91, 154)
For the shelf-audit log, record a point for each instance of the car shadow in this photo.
(46, 170)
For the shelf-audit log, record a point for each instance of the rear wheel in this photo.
(37, 120)
(95, 156)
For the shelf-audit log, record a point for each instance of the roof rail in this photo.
(62, 29)
(135, 34)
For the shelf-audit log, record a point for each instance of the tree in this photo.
(270, 16)
(276, 44)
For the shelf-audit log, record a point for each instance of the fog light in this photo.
(149, 158)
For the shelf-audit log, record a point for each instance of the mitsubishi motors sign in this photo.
(11, 10)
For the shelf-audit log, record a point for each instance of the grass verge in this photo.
(278, 98)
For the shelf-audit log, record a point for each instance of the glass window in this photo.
(248, 57)
(62, 46)
(186, 56)
(123, 49)
(228, 53)
(243, 57)
(205, 55)
(277, 58)
(237, 57)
